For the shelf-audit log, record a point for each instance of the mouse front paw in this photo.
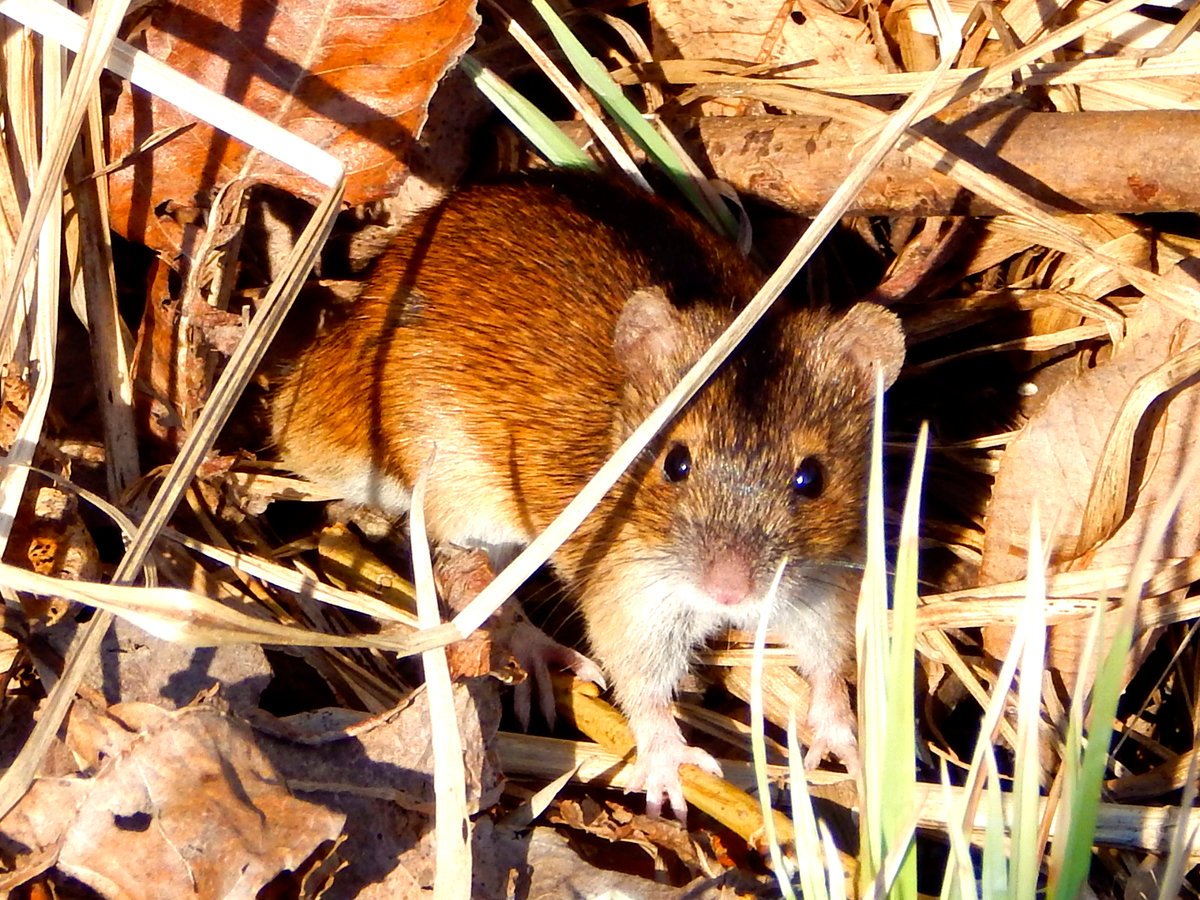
(832, 740)
(536, 652)
(656, 771)
(461, 574)
(832, 723)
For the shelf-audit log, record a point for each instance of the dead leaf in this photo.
(352, 78)
(378, 771)
(548, 867)
(168, 811)
(1053, 462)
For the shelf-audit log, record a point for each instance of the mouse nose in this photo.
(725, 576)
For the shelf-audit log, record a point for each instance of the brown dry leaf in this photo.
(1054, 461)
(793, 34)
(616, 824)
(172, 806)
(551, 868)
(10, 649)
(353, 78)
(379, 771)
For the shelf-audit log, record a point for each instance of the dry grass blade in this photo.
(1040, 73)
(452, 826)
(175, 614)
(291, 580)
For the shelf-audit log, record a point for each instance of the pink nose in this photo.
(726, 578)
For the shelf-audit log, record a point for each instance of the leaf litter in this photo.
(1051, 353)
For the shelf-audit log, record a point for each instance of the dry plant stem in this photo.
(733, 808)
(1054, 230)
(796, 162)
(101, 31)
(1146, 828)
(290, 580)
(110, 344)
(577, 510)
(33, 358)
(546, 758)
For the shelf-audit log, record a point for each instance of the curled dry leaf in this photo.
(353, 78)
(1054, 462)
(171, 807)
(616, 824)
(50, 538)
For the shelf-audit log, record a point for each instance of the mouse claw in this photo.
(845, 750)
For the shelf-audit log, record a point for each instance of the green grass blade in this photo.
(899, 799)
(609, 95)
(546, 137)
(994, 871)
(1073, 752)
(958, 882)
(871, 636)
(758, 744)
(812, 873)
(1085, 801)
(1026, 854)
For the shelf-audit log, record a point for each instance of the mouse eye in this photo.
(678, 463)
(809, 479)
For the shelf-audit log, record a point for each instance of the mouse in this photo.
(524, 327)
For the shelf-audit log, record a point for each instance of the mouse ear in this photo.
(647, 332)
(868, 334)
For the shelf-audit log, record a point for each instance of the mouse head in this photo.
(769, 459)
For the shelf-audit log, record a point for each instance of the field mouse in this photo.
(525, 328)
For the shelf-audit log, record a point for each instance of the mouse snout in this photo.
(725, 575)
